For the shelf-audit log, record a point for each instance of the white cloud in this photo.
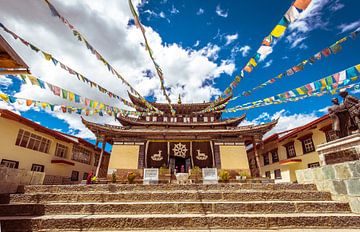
(174, 10)
(221, 12)
(350, 26)
(336, 6)
(286, 121)
(200, 11)
(5, 82)
(231, 38)
(295, 40)
(268, 64)
(310, 19)
(196, 43)
(245, 50)
(187, 71)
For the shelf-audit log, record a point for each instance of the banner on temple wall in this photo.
(157, 154)
(202, 154)
(180, 149)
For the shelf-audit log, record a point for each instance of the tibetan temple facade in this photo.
(181, 141)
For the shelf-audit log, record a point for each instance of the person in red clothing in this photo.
(89, 177)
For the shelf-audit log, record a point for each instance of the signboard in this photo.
(151, 175)
(209, 175)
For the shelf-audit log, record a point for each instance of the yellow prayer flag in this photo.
(358, 67)
(278, 31)
(253, 62)
(101, 107)
(47, 56)
(43, 105)
(95, 104)
(323, 84)
(71, 96)
(4, 97)
(300, 91)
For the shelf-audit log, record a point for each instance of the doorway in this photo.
(182, 165)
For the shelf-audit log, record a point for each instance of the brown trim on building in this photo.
(62, 162)
(302, 138)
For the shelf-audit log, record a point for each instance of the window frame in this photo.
(288, 150)
(32, 141)
(274, 151)
(72, 177)
(35, 166)
(63, 147)
(277, 174)
(5, 163)
(313, 165)
(267, 159)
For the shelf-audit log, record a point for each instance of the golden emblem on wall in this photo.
(157, 157)
(180, 150)
(201, 156)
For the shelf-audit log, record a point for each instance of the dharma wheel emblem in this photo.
(180, 150)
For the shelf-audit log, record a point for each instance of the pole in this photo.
(100, 158)
(256, 157)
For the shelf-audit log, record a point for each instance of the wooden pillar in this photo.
(256, 157)
(100, 158)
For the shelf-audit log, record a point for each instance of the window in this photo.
(212, 119)
(61, 150)
(37, 168)
(274, 156)
(205, 119)
(147, 118)
(32, 141)
(277, 173)
(154, 119)
(187, 119)
(290, 150)
(10, 163)
(74, 176)
(81, 154)
(308, 145)
(266, 159)
(85, 175)
(267, 174)
(165, 119)
(314, 165)
(173, 119)
(194, 119)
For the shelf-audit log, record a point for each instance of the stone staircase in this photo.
(174, 207)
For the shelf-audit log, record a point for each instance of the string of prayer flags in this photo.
(333, 49)
(63, 93)
(108, 66)
(328, 84)
(291, 15)
(147, 47)
(71, 71)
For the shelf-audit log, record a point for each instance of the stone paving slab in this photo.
(172, 196)
(176, 221)
(168, 187)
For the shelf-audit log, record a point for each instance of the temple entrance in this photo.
(179, 164)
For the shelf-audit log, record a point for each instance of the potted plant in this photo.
(243, 175)
(224, 176)
(196, 173)
(131, 177)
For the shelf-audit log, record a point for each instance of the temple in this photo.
(187, 139)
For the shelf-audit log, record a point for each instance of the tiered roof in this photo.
(10, 61)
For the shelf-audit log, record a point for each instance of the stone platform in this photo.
(174, 207)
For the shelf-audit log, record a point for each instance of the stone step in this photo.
(21, 210)
(159, 187)
(248, 195)
(180, 221)
(195, 207)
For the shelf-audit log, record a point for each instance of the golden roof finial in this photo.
(179, 99)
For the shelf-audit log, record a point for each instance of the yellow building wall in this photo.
(27, 157)
(124, 157)
(233, 157)
(312, 157)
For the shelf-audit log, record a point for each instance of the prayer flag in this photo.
(302, 4)
(326, 52)
(47, 56)
(64, 93)
(292, 14)
(29, 102)
(278, 31)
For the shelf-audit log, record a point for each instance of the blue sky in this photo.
(226, 33)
